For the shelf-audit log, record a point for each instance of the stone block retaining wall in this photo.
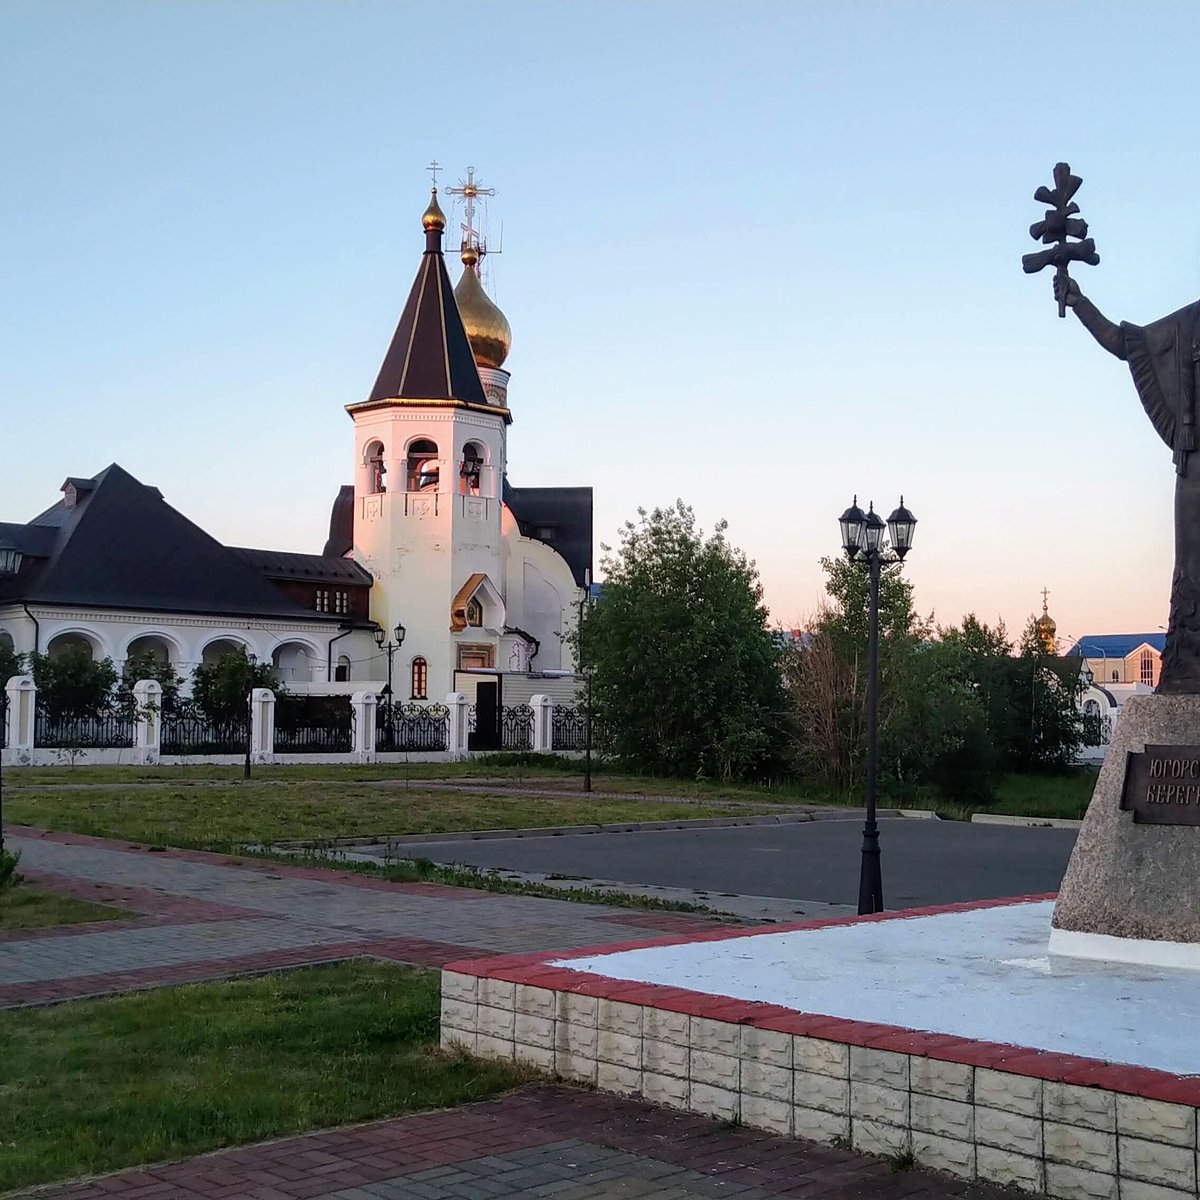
(1044, 1122)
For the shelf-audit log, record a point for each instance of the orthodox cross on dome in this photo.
(470, 190)
(433, 170)
(1045, 599)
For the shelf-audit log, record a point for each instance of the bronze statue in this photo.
(1164, 359)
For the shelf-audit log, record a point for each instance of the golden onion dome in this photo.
(433, 217)
(487, 327)
(1046, 627)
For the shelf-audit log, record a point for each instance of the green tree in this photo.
(686, 676)
(1046, 729)
(71, 683)
(827, 673)
(148, 665)
(11, 663)
(221, 690)
(938, 734)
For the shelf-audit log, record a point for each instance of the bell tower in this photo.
(430, 450)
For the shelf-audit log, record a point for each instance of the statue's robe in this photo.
(1164, 358)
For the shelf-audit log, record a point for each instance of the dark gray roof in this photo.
(123, 546)
(34, 541)
(341, 522)
(560, 517)
(283, 564)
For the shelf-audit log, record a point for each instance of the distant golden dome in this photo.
(433, 217)
(1046, 629)
(487, 327)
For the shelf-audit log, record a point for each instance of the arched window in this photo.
(1091, 708)
(71, 644)
(420, 679)
(422, 466)
(1116, 677)
(474, 611)
(376, 468)
(471, 470)
(342, 670)
(1147, 667)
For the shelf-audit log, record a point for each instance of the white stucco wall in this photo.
(303, 646)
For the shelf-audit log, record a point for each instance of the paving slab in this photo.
(543, 1141)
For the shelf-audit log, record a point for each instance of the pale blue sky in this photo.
(760, 256)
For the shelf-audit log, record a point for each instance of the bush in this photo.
(8, 870)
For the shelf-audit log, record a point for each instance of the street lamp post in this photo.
(862, 539)
(386, 644)
(10, 564)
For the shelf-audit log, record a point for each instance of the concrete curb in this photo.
(481, 835)
(1024, 822)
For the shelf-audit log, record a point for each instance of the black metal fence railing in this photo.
(110, 728)
(3, 721)
(568, 729)
(187, 729)
(1097, 730)
(412, 727)
(516, 727)
(313, 725)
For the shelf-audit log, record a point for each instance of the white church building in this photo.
(485, 578)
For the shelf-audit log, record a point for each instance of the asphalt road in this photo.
(924, 861)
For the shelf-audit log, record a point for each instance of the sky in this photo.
(758, 256)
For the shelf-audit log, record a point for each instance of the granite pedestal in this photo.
(1129, 883)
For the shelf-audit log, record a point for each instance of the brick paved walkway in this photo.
(207, 916)
(541, 1142)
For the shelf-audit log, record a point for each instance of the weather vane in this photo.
(1059, 224)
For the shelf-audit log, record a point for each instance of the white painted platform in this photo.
(985, 974)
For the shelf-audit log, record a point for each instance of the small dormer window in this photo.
(474, 612)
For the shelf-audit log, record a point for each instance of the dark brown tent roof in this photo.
(430, 357)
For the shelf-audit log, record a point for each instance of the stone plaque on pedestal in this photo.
(1135, 869)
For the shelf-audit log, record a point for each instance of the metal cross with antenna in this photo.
(469, 189)
(433, 170)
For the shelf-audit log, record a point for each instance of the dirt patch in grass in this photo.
(95, 1085)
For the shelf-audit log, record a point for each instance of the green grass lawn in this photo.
(1064, 796)
(95, 1085)
(27, 906)
(223, 817)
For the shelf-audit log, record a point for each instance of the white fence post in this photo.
(19, 721)
(262, 725)
(457, 728)
(147, 731)
(363, 705)
(543, 724)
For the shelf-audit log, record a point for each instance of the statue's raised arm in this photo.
(1066, 292)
